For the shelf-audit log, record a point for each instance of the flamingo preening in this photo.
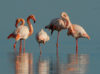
(77, 32)
(58, 24)
(42, 37)
(22, 32)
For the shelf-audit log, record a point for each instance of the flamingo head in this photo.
(33, 18)
(19, 20)
(65, 16)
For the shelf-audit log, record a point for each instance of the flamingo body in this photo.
(23, 31)
(60, 23)
(42, 37)
(78, 32)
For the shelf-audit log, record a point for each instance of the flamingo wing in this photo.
(23, 31)
(59, 23)
(80, 31)
(12, 35)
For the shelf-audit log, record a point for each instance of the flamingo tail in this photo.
(11, 36)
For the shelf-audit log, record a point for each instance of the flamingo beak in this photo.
(34, 19)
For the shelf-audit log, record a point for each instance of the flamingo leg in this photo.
(76, 46)
(57, 43)
(20, 49)
(40, 49)
(24, 47)
(15, 47)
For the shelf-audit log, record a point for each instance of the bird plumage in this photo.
(23, 31)
(78, 31)
(42, 37)
(59, 23)
(14, 33)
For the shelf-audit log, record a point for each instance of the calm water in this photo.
(69, 64)
(83, 12)
(49, 63)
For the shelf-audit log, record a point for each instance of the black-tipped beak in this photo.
(34, 21)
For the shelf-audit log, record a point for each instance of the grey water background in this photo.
(83, 12)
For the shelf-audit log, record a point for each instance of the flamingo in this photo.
(22, 32)
(42, 37)
(77, 31)
(13, 35)
(59, 24)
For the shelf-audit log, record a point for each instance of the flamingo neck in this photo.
(22, 22)
(30, 26)
(68, 22)
(71, 29)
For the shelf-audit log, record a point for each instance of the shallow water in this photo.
(71, 64)
(49, 63)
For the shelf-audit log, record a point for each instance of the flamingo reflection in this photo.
(24, 64)
(43, 66)
(77, 64)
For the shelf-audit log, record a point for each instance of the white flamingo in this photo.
(77, 32)
(58, 24)
(42, 37)
(22, 32)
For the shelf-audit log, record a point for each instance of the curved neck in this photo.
(20, 20)
(23, 22)
(30, 26)
(69, 22)
(71, 28)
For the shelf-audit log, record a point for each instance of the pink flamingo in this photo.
(42, 37)
(77, 32)
(58, 24)
(13, 35)
(22, 32)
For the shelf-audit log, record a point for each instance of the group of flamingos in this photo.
(22, 32)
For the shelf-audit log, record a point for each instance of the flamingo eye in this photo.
(64, 15)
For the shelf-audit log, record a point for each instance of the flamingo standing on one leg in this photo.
(13, 35)
(42, 37)
(58, 24)
(77, 32)
(22, 32)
